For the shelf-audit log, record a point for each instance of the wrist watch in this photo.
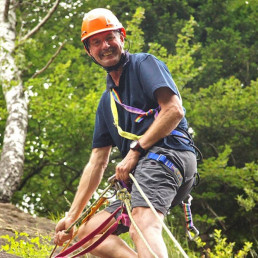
(135, 145)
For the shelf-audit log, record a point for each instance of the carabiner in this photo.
(196, 233)
(190, 198)
(189, 220)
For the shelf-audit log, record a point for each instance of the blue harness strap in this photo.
(181, 136)
(163, 159)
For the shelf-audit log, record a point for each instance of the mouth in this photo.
(108, 53)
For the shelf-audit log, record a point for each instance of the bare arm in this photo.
(89, 182)
(169, 117)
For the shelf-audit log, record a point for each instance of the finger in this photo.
(60, 226)
(57, 240)
(119, 172)
(121, 175)
(62, 237)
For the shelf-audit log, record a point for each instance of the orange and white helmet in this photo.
(100, 20)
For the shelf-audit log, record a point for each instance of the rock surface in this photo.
(13, 219)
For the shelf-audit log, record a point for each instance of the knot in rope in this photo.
(123, 195)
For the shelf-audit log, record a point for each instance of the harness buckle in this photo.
(161, 158)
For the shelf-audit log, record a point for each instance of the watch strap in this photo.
(138, 147)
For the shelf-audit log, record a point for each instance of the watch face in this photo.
(133, 144)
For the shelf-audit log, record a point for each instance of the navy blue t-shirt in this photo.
(142, 75)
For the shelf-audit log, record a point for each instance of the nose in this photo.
(105, 44)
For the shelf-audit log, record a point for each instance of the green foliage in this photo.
(24, 246)
(223, 249)
(248, 203)
(225, 113)
(234, 189)
(225, 30)
(181, 65)
(135, 33)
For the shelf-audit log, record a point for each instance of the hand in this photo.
(60, 235)
(127, 165)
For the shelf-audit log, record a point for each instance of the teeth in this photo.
(107, 53)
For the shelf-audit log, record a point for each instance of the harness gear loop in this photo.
(189, 220)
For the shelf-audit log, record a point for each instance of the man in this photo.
(145, 105)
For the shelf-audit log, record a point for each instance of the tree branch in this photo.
(213, 148)
(35, 171)
(6, 10)
(78, 172)
(215, 215)
(45, 19)
(49, 62)
(68, 185)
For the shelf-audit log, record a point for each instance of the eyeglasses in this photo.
(96, 42)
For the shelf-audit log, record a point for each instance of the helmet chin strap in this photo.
(114, 67)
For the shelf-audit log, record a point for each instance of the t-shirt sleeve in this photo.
(154, 74)
(101, 135)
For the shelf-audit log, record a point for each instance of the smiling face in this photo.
(106, 47)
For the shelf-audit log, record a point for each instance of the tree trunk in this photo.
(12, 156)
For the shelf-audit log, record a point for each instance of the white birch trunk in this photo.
(12, 156)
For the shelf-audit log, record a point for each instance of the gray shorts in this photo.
(159, 183)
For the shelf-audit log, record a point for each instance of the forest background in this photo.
(210, 48)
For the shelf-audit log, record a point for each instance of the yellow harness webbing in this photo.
(122, 133)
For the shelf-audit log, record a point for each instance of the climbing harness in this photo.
(182, 136)
(123, 195)
(189, 220)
